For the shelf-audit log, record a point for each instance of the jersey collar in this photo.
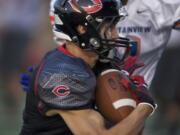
(64, 50)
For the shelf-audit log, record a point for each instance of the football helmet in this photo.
(92, 15)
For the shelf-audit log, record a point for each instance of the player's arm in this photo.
(90, 122)
(58, 93)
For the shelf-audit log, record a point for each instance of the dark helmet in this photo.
(92, 15)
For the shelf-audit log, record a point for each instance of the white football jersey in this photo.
(150, 22)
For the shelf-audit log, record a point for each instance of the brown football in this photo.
(112, 100)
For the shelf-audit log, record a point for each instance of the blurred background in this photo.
(25, 36)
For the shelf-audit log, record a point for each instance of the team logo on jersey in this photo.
(95, 5)
(61, 91)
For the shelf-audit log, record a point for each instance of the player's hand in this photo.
(139, 89)
(142, 93)
(25, 78)
(144, 96)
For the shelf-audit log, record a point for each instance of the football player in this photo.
(61, 96)
(150, 22)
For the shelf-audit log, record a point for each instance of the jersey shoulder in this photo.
(65, 82)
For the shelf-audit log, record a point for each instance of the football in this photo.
(113, 101)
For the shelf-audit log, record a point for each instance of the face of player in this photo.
(108, 32)
(89, 57)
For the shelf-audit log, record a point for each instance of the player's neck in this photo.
(89, 57)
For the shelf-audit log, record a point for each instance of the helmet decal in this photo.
(95, 6)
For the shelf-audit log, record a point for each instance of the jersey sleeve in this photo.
(166, 13)
(176, 15)
(170, 13)
(66, 91)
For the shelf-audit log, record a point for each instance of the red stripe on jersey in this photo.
(36, 79)
(63, 50)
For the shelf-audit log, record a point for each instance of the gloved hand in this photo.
(143, 95)
(139, 89)
(25, 79)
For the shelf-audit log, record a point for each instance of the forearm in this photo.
(133, 123)
(91, 122)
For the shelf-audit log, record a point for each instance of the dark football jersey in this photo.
(62, 81)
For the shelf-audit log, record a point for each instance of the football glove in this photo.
(25, 78)
(139, 89)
